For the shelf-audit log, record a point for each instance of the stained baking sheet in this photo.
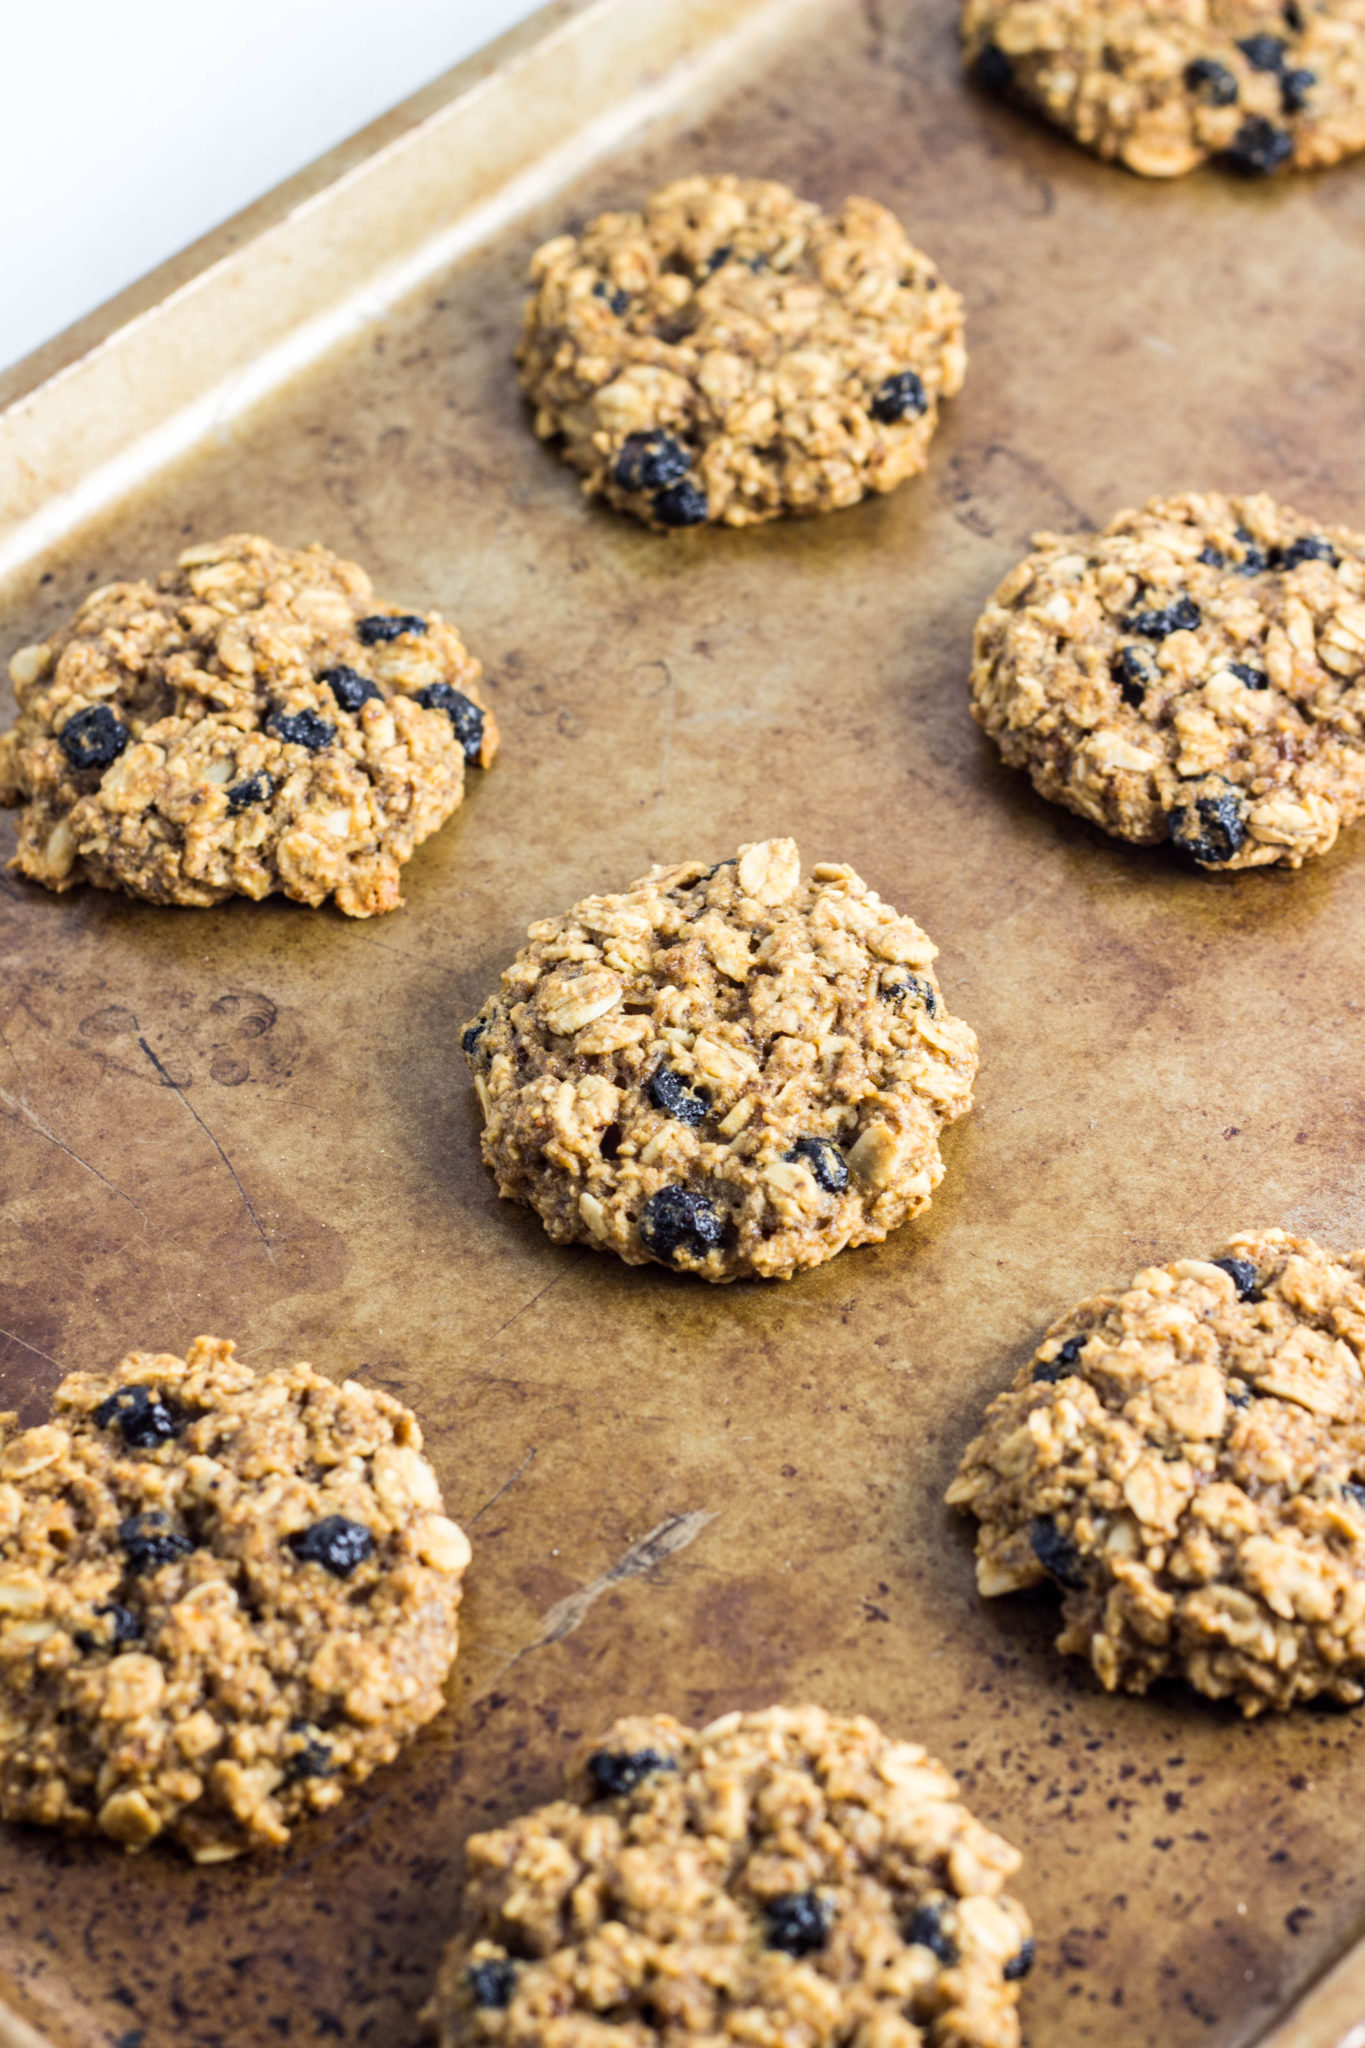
(686, 1498)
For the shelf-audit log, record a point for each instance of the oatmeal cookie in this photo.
(1164, 85)
(224, 1597)
(1186, 1459)
(731, 353)
(726, 1069)
(777, 1877)
(1195, 672)
(256, 723)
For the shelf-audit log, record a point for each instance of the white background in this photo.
(130, 127)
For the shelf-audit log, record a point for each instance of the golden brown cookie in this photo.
(224, 1598)
(1185, 1458)
(730, 353)
(779, 1877)
(256, 723)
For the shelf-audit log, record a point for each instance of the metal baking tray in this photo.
(681, 1497)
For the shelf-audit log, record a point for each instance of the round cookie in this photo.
(1195, 672)
(224, 1597)
(1165, 85)
(726, 1069)
(731, 353)
(1186, 1460)
(256, 723)
(777, 1877)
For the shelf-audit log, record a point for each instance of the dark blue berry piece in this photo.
(1242, 1274)
(1254, 678)
(1181, 617)
(144, 1415)
(471, 1034)
(1311, 547)
(914, 990)
(825, 1161)
(349, 687)
(491, 1984)
(614, 1772)
(649, 461)
(675, 1220)
(1064, 1364)
(1213, 81)
(149, 1541)
(1132, 670)
(314, 1760)
(902, 397)
(384, 626)
(672, 1095)
(1258, 148)
(798, 1922)
(252, 789)
(302, 729)
(1212, 557)
(926, 1931)
(1239, 1395)
(1211, 829)
(618, 301)
(335, 1543)
(1254, 560)
(681, 505)
(718, 259)
(124, 1627)
(1356, 1492)
(1056, 1553)
(1263, 52)
(93, 738)
(1021, 1963)
(463, 713)
(1295, 86)
(992, 70)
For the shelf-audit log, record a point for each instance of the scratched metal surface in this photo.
(255, 1121)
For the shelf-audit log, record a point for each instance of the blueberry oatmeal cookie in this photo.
(727, 1069)
(254, 723)
(776, 1877)
(1165, 85)
(1185, 1459)
(732, 354)
(1195, 672)
(224, 1598)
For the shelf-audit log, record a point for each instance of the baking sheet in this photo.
(685, 1498)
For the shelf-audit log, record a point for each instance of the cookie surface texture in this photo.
(1165, 85)
(224, 1597)
(730, 1070)
(731, 353)
(1186, 1460)
(779, 1876)
(255, 723)
(1195, 672)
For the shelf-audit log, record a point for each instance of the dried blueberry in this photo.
(349, 687)
(149, 1541)
(825, 1161)
(1213, 81)
(1056, 1553)
(1254, 678)
(1310, 547)
(914, 990)
(463, 713)
(1263, 52)
(1258, 148)
(1212, 557)
(1239, 1395)
(718, 259)
(672, 1095)
(1020, 1963)
(615, 1773)
(1295, 87)
(1181, 617)
(675, 1220)
(335, 1543)
(388, 626)
(1063, 1364)
(681, 505)
(472, 1033)
(926, 1931)
(1211, 829)
(124, 1625)
(1254, 560)
(144, 1415)
(1132, 671)
(618, 301)
(1242, 1274)
(798, 1922)
(1356, 1492)
(302, 729)
(93, 738)
(491, 1983)
(992, 70)
(314, 1760)
(252, 789)
(649, 461)
(902, 397)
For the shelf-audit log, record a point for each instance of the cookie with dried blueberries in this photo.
(782, 1876)
(225, 1597)
(730, 353)
(1163, 86)
(728, 1069)
(1195, 673)
(1184, 1458)
(248, 725)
